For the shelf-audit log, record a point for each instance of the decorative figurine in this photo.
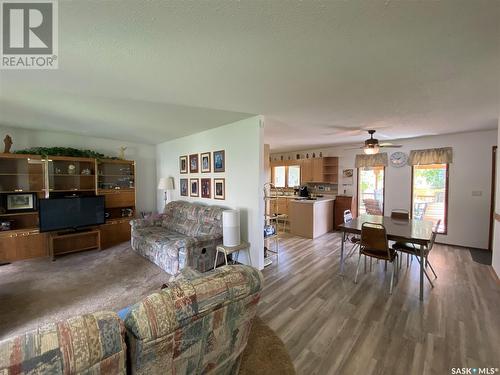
(122, 152)
(8, 144)
(71, 169)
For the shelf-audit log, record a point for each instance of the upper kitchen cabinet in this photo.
(306, 171)
(324, 170)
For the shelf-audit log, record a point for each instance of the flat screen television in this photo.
(71, 212)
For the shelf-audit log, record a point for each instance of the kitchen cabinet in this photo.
(317, 170)
(306, 173)
(311, 218)
(320, 170)
(280, 206)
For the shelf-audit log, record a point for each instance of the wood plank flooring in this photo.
(332, 326)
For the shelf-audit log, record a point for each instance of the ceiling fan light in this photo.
(371, 150)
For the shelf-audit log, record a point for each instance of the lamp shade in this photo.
(166, 183)
(231, 227)
(162, 184)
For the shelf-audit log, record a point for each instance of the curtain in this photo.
(431, 156)
(366, 161)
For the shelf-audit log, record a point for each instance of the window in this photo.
(293, 179)
(286, 176)
(279, 176)
(371, 190)
(430, 194)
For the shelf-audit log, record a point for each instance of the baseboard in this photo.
(494, 274)
(462, 246)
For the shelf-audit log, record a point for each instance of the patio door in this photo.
(371, 188)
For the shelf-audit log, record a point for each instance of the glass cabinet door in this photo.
(71, 175)
(21, 174)
(115, 175)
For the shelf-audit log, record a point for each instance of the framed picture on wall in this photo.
(205, 163)
(183, 185)
(24, 202)
(195, 188)
(219, 161)
(193, 163)
(206, 188)
(219, 188)
(183, 164)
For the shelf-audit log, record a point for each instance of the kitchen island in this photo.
(311, 218)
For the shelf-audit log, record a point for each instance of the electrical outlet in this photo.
(477, 193)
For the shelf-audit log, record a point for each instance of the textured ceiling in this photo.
(157, 70)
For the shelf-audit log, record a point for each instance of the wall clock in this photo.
(399, 159)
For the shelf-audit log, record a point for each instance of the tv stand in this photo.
(73, 241)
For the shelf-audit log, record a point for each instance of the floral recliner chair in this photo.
(185, 235)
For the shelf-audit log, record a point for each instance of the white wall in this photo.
(496, 237)
(143, 154)
(243, 145)
(468, 216)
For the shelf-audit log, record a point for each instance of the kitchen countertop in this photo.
(312, 201)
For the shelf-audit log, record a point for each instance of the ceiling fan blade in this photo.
(389, 145)
(354, 148)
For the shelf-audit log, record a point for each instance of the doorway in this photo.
(493, 195)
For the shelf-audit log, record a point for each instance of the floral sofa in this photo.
(86, 344)
(199, 324)
(185, 235)
(196, 326)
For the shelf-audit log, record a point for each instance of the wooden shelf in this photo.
(65, 243)
(64, 190)
(21, 191)
(20, 213)
(117, 175)
(70, 175)
(21, 174)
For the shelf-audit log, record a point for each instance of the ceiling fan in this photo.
(372, 146)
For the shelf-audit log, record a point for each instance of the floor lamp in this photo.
(167, 185)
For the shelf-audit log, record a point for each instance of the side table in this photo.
(226, 250)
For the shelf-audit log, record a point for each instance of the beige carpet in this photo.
(39, 291)
(265, 353)
(78, 283)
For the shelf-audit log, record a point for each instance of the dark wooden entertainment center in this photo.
(26, 178)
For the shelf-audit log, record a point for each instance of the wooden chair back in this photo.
(374, 240)
(400, 214)
(434, 234)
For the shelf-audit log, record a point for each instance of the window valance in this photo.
(366, 161)
(442, 155)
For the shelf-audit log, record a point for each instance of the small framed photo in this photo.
(193, 163)
(24, 202)
(206, 188)
(206, 163)
(219, 161)
(183, 164)
(219, 188)
(195, 188)
(183, 185)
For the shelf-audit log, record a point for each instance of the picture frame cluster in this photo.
(205, 162)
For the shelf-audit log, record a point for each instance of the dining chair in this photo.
(415, 249)
(353, 239)
(400, 214)
(374, 244)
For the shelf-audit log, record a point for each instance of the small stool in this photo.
(226, 250)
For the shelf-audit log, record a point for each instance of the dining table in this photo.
(415, 231)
